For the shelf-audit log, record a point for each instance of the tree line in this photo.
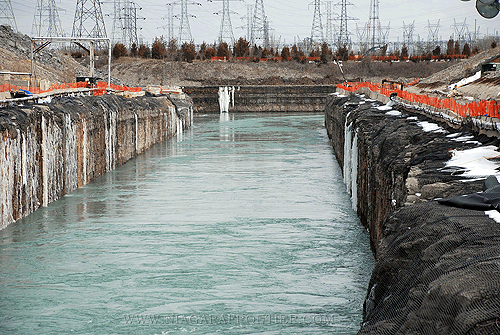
(242, 49)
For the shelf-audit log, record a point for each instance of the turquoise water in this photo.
(241, 225)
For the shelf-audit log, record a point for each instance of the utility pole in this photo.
(46, 21)
(89, 21)
(7, 14)
(259, 25)
(317, 25)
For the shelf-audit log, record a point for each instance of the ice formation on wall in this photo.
(350, 169)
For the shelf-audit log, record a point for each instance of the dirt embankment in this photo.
(142, 72)
(53, 65)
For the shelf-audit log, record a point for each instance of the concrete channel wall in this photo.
(437, 267)
(263, 98)
(48, 150)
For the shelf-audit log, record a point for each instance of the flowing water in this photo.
(240, 225)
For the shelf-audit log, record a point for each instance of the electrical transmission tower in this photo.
(7, 14)
(343, 37)
(118, 32)
(317, 26)
(226, 28)
(88, 21)
(374, 29)
(330, 28)
(433, 38)
(260, 28)
(184, 28)
(461, 32)
(408, 35)
(170, 21)
(46, 21)
(129, 22)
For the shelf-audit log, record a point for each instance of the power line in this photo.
(7, 14)
(46, 21)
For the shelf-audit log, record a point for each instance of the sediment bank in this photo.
(436, 265)
(50, 150)
(263, 98)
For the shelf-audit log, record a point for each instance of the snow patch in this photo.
(466, 81)
(494, 214)
(430, 127)
(386, 107)
(476, 161)
(394, 113)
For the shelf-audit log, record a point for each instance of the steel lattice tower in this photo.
(249, 22)
(118, 32)
(129, 15)
(330, 35)
(259, 26)
(226, 28)
(46, 21)
(317, 25)
(184, 28)
(343, 38)
(170, 21)
(374, 29)
(461, 33)
(433, 38)
(7, 14)
(88, 21)
(408, 35)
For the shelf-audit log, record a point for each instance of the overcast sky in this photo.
(288, 18)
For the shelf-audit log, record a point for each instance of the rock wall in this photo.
(50, 150)
(263, 98)
(435, 264)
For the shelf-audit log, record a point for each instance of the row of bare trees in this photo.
(169, 50)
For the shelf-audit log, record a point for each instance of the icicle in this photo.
(84, 124)
(354, 173)
(45, 181)
(347, 156)
(70, 154)
(136, 133)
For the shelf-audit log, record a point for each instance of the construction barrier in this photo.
(473, 109)
(98, 89)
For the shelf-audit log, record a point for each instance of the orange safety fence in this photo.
(473, 109)
(100, 88)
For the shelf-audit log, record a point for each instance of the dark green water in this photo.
(240, 226)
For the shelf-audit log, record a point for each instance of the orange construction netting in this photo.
(473, 109)
(99, 88)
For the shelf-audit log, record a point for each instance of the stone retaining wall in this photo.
(263, 98)
(50, 150)
(435, 265)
